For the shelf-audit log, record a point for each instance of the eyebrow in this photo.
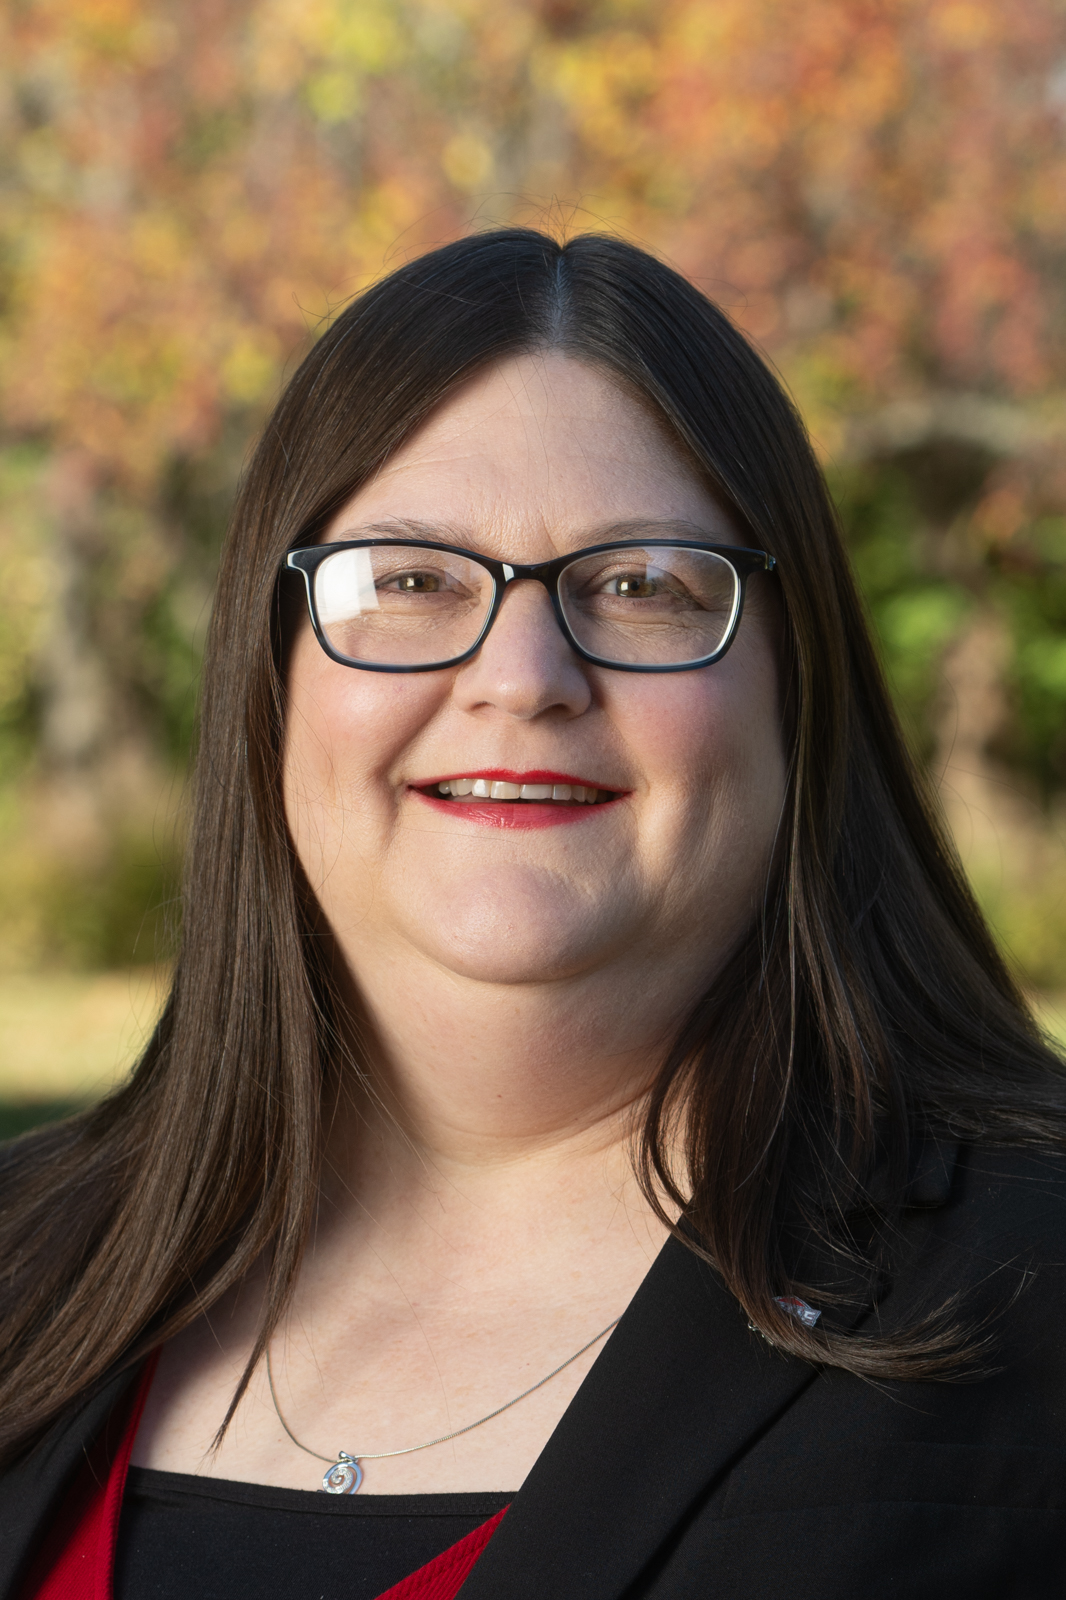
(444, 533)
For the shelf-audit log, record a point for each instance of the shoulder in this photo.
(32, 1487)
(1007, 1203)
(989, 1250)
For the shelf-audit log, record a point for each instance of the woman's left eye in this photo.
(631, 586)
(641, 586)
(417, 582)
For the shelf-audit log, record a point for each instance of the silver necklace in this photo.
(345, 1472)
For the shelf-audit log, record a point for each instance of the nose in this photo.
(525, 667)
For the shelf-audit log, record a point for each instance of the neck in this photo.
(489, 1075)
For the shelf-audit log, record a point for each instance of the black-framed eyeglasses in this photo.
(411, 605)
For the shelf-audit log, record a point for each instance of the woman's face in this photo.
(535, 457)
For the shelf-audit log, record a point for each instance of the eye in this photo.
(415, 582)
(648, 583)
(631, 586)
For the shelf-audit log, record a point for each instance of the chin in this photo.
(508, 968)
(519, 930)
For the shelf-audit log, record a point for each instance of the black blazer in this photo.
(698, 1463)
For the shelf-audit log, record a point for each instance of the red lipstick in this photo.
(518, 813)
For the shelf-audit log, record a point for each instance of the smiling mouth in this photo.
(538, 792)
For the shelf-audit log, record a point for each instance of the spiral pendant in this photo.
(344, 1477)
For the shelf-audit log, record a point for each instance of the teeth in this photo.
(495, 789)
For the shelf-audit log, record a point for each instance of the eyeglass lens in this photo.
(394, 605)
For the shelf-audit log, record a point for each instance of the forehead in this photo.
(538, 454)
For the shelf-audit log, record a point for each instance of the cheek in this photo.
(343, 732)
(701, 736)
(713, 759)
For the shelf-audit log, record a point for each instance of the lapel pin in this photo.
(795, 1307)
(798, 1308)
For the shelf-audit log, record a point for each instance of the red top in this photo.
(78, 1560)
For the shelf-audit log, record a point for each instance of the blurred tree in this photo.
(876, 189)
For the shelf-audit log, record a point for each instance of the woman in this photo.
(586, 1068)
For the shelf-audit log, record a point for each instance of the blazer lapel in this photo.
(681, 1389)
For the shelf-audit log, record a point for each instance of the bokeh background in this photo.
(874, 189)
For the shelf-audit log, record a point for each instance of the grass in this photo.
(67, 1038)
(16, 1119)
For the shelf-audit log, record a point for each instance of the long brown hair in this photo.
(867, 1005)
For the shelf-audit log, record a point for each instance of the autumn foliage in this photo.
(875, 189)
